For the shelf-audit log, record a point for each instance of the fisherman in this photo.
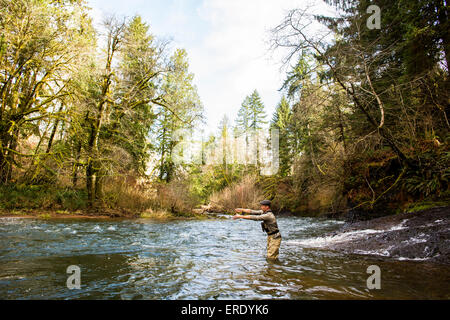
(268, 224)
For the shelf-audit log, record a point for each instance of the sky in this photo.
(227, 42)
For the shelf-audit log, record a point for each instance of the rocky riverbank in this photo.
(418, 236)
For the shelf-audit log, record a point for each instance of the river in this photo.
(196, 259)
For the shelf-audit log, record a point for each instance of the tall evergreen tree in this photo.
(185, 111)
(257, 113)
(282, 121)
(250, 119)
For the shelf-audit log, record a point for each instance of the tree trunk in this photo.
(75, 165)
(90, 180)
(52, 134)
(341, 127)
(4, 139)
(98, 183)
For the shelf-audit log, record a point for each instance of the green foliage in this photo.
(251, 115)
(282, 121)
(368, 121)
(424, 205)
(185, 111)
(41, 197)
(432, 176)
(365, 125)
(74, 111)
(42, 43)
(71, 199)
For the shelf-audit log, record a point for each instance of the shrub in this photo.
(243, 194)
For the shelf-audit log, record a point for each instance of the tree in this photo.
(69, 105)
(256, 111)
(41, 43)
(141, 68)
(101, 100)
(250, 119)
(368, 98)
(180, 93)
(282, 121)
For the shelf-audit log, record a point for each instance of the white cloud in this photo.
(226, 41)
(233, 58)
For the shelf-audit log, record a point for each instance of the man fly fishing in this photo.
(268, 224)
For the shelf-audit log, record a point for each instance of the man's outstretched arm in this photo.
(257, 214)
(248, 211)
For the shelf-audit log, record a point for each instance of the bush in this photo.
(41, 197)
(124, 194)
(176, 197)
(71, 199)
(243, 194)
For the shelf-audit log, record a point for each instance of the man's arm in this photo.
(257, 215)
(249, 211)
(261, 217)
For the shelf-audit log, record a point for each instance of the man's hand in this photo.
(239, 210)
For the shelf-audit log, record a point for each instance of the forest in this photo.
(90, 119)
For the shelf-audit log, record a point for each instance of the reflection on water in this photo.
(213, 259)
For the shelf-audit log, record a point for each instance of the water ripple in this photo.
(213, 259)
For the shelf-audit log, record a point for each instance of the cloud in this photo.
(233, 58)
(227, 44)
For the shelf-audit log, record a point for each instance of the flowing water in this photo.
(208, 259)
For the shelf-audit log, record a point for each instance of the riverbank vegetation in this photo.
(371, 104)
(364, 123)
(90, 119)
(83, 110)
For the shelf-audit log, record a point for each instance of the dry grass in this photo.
(157, 215)
(119, 193)
(175, 197)
(243, 194)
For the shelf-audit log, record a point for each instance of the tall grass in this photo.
(122, 194)
(243, 194)
(176, 197)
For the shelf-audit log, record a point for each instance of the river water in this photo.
(208, 259)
